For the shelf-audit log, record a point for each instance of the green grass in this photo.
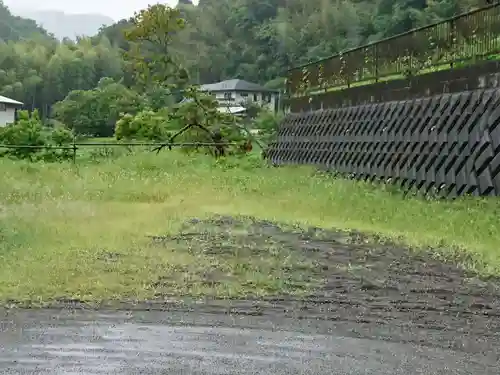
(81, 231)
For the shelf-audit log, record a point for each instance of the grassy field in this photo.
(82, 231)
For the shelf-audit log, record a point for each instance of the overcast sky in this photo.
(116, 9)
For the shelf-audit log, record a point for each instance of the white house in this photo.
(233, 94)
(8, 110)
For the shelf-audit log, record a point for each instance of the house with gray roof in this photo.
(8, 109)
(233, 94)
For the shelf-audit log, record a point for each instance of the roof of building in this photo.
(4, 99)
(235, 85)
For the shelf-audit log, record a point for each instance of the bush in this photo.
(58, 137)
(28, 138)
(208, 126)
(146, 125)
(266, 124)
(221, 127)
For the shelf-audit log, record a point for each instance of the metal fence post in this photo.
(74, 150)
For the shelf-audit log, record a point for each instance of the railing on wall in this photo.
(459, 41)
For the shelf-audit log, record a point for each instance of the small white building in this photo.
(8, 109)
(235, 93)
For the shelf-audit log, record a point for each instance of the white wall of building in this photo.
(234, 98)
(7, 115)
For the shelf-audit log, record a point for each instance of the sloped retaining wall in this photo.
(448, 142)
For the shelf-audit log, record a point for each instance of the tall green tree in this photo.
(218, 39)
(95, 112)
(151, 35)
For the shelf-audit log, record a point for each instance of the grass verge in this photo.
(83, 231)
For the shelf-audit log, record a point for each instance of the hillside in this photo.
(16, 28)
(254, 40)
(65, 25)
(258, 40)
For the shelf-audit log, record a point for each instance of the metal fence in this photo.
(70, 151)
(461, 40)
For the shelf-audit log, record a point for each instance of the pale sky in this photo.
(116, 9)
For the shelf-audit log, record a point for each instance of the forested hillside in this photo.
(252, 39)
(65, 25)
(259, 39)
(16, 28)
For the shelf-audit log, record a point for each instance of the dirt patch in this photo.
(231, 258)
(364, 288)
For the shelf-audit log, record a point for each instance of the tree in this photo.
(95, 112)
(216, 40)
(151, 37)
(14, 28)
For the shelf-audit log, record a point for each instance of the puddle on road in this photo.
(47, 342)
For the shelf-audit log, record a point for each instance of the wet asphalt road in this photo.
(55, 342)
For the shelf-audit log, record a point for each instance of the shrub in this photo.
(146, 125)
(266, 124)
(28, 138)
(58, 137)
(27, 133)
(208, 126)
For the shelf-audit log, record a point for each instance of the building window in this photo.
(228, 96)
(266, 98)
(3, 107)
(244, 95)
(254, 97)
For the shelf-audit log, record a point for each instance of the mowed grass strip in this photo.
(81, 231)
